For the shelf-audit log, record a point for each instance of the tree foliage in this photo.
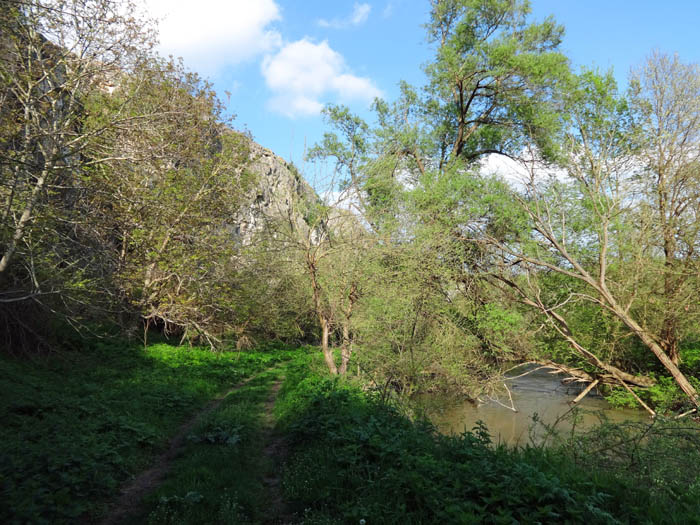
(599, 237)
(122, 182)
(118, 176)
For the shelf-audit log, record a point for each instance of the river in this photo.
(539, 392)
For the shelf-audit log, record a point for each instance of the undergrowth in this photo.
(648, 467)
(355, 458)
(78, 425)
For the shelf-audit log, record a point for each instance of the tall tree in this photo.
(490, 87)
(324, 242)
(579, 223)
(175, 183)
(665, 95)
(54, 56)
(493, 77)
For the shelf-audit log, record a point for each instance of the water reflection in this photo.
(538, 392)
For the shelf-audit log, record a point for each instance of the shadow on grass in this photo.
(218, 477)
(75, 428)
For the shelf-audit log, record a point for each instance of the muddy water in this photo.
(538, 392)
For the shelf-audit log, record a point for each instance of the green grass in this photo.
(218, 476)
(78, 425)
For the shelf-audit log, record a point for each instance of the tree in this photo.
(492, 78)
(665, 97)
(324, 242)
(499, 85)
(176, 182)
(120, 175)
(333, 240)
(54, 56)
(580, 224)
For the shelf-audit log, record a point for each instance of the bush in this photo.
(354, 458)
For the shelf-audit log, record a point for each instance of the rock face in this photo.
(279, 193)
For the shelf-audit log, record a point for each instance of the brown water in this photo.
(537, 393)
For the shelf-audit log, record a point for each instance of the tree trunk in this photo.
(673, 369)
(658, 351)
(327, 352)
(669, 340)
(346, 349)
(24, 219)
(652, 345)
(322, 317)
(669, 329)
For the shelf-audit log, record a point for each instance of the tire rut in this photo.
(275, 451)
(132, 494)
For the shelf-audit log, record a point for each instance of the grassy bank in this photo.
(78, 425)
(353, 458)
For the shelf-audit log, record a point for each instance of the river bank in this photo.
(355, 458)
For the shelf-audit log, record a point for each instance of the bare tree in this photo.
(666, 101)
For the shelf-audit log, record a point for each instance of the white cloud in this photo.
(520, 174)
(210, 34)
(359, 15)
(512, 171)
(303, 73)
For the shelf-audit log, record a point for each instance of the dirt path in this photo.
(132, 495)
(276, 452)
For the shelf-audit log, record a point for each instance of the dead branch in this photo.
(583, 394)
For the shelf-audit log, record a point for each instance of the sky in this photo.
(276, 63)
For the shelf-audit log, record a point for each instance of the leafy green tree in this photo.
(580, 224)
(53, 55)
(119, 175)
(493, 77)
(179, 179)
(490, 88)
(415, 327)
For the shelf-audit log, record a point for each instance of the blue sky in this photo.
(282, 60)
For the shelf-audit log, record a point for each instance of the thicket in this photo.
(353, 457)
(120, 179)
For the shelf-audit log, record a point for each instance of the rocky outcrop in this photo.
(279, 192)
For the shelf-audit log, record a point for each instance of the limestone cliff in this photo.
(279, 192)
